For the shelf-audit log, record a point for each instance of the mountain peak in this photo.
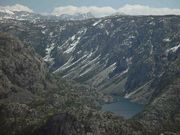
(77, 16)
(15, 8)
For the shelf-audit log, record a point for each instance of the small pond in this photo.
(123, 107)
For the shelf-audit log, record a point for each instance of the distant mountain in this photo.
(78, 16)
(21, 15)
(15, 8)
(6, 11)
(24, 15)
(118, 14)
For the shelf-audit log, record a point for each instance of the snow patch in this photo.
(51, 34)
(89, 63)
(112, 67)
(166, 40)
(16, 7)
(173, 49)
(72, 46)
(75, 39)
(131, 37)
(7, 17)
(48, 58)
(65, 65)
(104, 74)
(128, 95)
(43, 31)
(152, 23)
(42, 26)
(85, 72)
(69, 64)
(107, 33)
(124, 72)
(97, 22)
(6, 11)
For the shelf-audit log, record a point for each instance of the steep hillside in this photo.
(20, 68)
(116, 55)
(164, 108)
(23, 77)
(33, 101)
(30, 95)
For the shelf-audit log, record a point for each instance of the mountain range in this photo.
(24, 15)
(137, 57)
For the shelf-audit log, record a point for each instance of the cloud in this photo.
(146, 10)
(97, 11)
(16, 7)
(105, 11)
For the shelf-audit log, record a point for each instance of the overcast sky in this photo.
(98, 7)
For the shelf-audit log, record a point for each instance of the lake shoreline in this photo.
(122, 107)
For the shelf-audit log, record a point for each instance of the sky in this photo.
(98, 7)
